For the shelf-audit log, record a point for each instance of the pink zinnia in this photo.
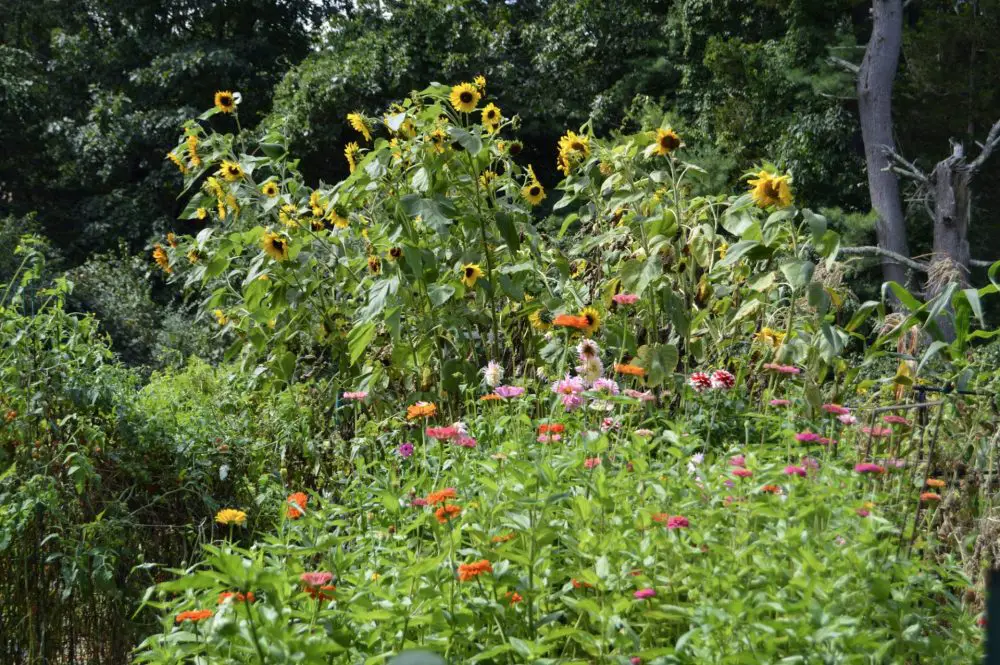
(642, 396)
(795, 471)
(643, 594)
(625, 298)
(635, 660)
(847, 419)
(572, 402)
(508, 392)
(781, 402)
(677, 522)
(549, 438)
(807, 437)
(571, 385)
(317, 579)
(605, 386)
(465, 441)
(877, 431)
(591, 462)
(895, 420)
(836, 409)
(405, 450)
(700, 382)
(782, 369)
(357, 396)
(738, 460)
(868, 467)
(609, 424)
(742, 473)
(862, 512)
(442, 433)
(723, 380)
(810, 462)
(419, 502)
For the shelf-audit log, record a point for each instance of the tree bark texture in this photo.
(952, 197)
(875, 82)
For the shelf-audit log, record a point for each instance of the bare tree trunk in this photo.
(875, 80)
(951, 180)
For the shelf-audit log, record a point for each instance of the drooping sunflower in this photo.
(515, 148)
(161, 258)
(337, 219)
(287, 215)
(395, 253)
(360, 125)
(768, 189)
(540, 319)
(192, 144)
(486, 179)
(225, 101)
(201, 214)
(351, 151)
(275, 246)
(593, 318)
(470, 273)
(231, 171)
(533, 190)
(492, 117)
(374, 265)
(480, 82)
(667, 141)
(464, 97)
(178, 162)
(269, 189)
(439, 140)
(194, 256)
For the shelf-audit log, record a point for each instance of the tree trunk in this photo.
(875, 80)
(952, 196)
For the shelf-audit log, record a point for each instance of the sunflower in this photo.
(192, 143)
(225, 101)
(360, 125)
(194, 256)
(161, 258)
(231, 171)
(172, 240)
(492, 118)
(220, 317)
(464, 97)
(178, 162)
(214, 188)
(667, 141)
(470, 273)
(351, 151)
(275, 246)
(533, 190)
(480, 82)
(374, 265)
(768, 189)
(287, 215)
(338, 220)
(439, 140)
(269, 189)
(574, 144)
(395, 253)
(540, 319)
(515, 148)
(593, 318)
(317, 204)
(201, 214)
(486, 179)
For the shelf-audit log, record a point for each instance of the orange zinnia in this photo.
(441, 496)
(503, 538)
(324, 592)
(470, 571)
(929, 497)
(492, 397)
(237, 597)
(553, 428)
(420, 410)
(447, 512)
(193, 615)
(577, 584)
(631, 370)
(571, 321)
(934, 482)
(513, 597)
(300, 499)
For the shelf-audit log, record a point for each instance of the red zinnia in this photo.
(299, 499)
(571, 321)
(193, 615)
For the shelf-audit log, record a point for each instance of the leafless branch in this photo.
(904, 167)
(885, 253)
(846, 64)
(992, 141)
(977, 263)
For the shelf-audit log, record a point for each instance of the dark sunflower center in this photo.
(395, 252)
(535, 190)
(491, 114)
(225, 100)
(279, 245)
(469, 272)
(771, 190)
(234, 170)
(466, 97)
(590, 319)
(579, 147)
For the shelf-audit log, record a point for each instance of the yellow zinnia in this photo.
(470, 273)
(492, 118)
(667, 141)
(768, 189)
(464, 97)
(275, 246)
(230, 516)
(360, 125)
(225, 101)
(351, 151)
(231, 171)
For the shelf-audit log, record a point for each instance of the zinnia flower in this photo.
(296, 505)
(442, 433)
(738, 460)
(571, 402)
(930, 497)
(895, 420)
(237, 597)
(571, 385)
(641, 395)
(513, 597)
(795, 471)
(723, 380)
(625, 298)
(508, 392)
(630, 370)
(836, 409)
(878, 432)
(587, 349)
(782, 369)
(447, 512)
(464, 97)
(591, 462)
(470, 571)
(605, 386)
(465, 441)
(700, 382)
(742, 473)
(780, 402)
(193, 615)
(770, 489)
(553, 428)
(868, 467)
(356, 396)
(440, 496)
(677, 522)
(847, 419)
(643, 594)
(405, 450)
(861, 512)
(420, 410)
(570, 321)
(808, 437)
(316, 579)
(935, 482)
(492, 374)
(230, 516)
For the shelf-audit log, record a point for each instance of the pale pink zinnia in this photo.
(356, 396)
(465, 441)
(643, 594)
(742, 473)
(317, 579)
(782, 369)
(781, 402)
(700, 382)
(738, 460)
(572, 402)
(642, 396)
(508, 392)
(625, 298)
(848, 419)
(723, 380)
(591, 462)
(571, 385)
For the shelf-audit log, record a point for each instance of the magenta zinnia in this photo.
(868, 467)
(700, 382)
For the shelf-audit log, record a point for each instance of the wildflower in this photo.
(193, 616)
(768, 189)
(742, 473)
(360, 125)
(351, 151)
(847, 419)
(440, 496)
(782, 369)
(316, 579)
(161, 258)
(492, 374)
(677, 522)
(605, 386)
(275, 246)
(930, 497)
(642, 396)
(625, 298)
(570, 321)
(593, 318)
(643, 594)
(269, 189)
(464, 97)
(231, 171)
(225, 101)
(868, 467)
(780, 402)
(630, 370)
(571, 402)
(808, 437)
(554, 428)
(591, 462)
(723, 380)
(878, 432)
(236, 597)
(936, 483)
(296, 505)
(895, 420)
(442, 433)
(700, 382)
(836, 409)
(492, 118)
(470, 571)
(465, 441)
(795, 471)
(861, 512)
(405, 450)
(447, 512)
(513, 597)
(769, 337)
(738, 461)
(509, 392)
(571, 385)
(420, 410)
(178, 162)
(470, 273)
(770, 489)
(231, 516)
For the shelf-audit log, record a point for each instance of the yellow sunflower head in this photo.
(194, 256)
(201, 214)
(492, 117)
(439, 140)
(395, 253)
(667, 141)
(225, 101)
(360, 125)
(178, 162)
(593, 320)
(768, 189)
(464, 97)
(470, 273)
(574, 144)
(338, 218)
(231, 171)
(374, 265)
(351, 151)
(487, 179)
(533, 191)
(275, 246)
(480, 82)
(541, 319)
(269, 189)
(161, 258)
